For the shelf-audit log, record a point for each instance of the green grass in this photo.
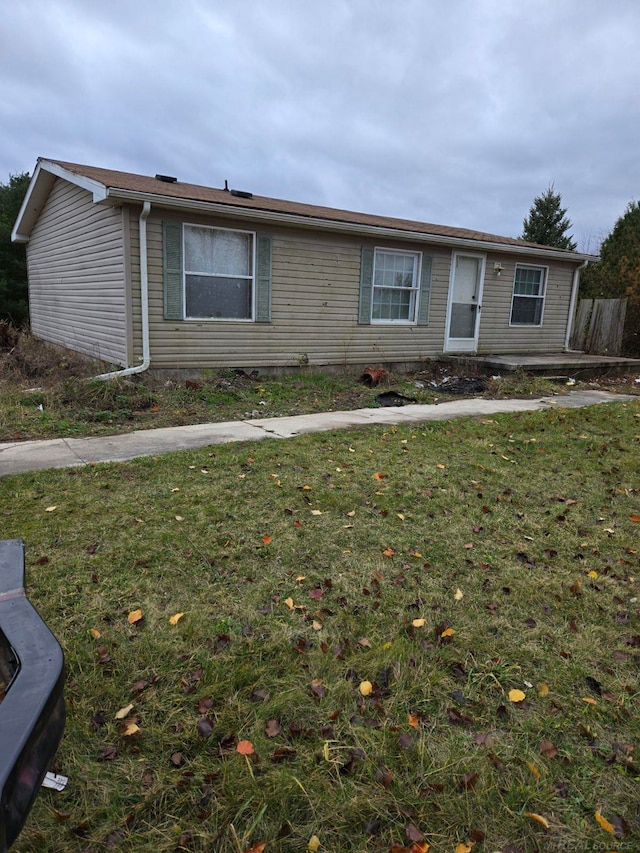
(529, 516)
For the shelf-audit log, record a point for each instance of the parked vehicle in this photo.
(32, 710)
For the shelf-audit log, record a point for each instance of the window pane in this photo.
(528, 281)
(526, 311)
(463, 320)
(221, 298)
(214, 251)
(392, 304)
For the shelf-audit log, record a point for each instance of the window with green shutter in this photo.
(395, 286)
(215, 273)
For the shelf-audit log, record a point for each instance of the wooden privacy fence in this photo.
(599, 326)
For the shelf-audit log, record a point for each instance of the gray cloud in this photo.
(457, 113)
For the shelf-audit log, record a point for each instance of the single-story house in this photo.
(141, 271)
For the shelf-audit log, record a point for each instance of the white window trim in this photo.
(415, 289)
(251, 278)
(543, 295)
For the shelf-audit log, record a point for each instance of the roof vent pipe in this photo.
(144, 302)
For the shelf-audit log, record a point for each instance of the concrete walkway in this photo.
(21, 456)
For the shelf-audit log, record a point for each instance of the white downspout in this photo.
(144, 302)
(572, 305)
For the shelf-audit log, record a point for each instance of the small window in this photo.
(218, 273)
(395, 286)
(528, 296)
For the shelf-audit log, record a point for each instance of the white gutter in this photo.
(336, 225)
(144, 302)
(572, 304)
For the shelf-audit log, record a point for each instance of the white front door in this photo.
(465, 302)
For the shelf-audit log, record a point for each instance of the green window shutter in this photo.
(172, 269)
(366, 285)
(263, 279)
(425, 290)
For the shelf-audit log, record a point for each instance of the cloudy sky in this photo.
(450, 111)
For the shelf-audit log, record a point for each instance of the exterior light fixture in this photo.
(497, 268)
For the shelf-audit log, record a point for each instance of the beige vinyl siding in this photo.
(314, 308)
(497, 336)
(76, 270)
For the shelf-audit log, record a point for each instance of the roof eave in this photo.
(252, 213)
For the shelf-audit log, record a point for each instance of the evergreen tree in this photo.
(14, 301)
(547, 222)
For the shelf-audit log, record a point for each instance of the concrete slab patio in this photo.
(22, 456)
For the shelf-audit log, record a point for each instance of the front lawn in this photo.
(417, 637)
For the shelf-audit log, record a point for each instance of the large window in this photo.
(218, 273)
(528, 296)
(395, 286)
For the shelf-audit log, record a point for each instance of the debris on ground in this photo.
(394, 398)
(460, 386)
(372, 376)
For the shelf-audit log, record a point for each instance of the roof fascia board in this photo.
(38, 190)
(336, 225)
(97, 189)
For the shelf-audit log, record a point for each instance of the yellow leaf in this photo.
(179, 518)
(130, 729)
(604, 823)
(351, 514)
(301, 578)
(442, 467)
(51, 509)
(419, 623)
(464, 846)
(532, 767)
(317, 626)
(458, 595)
(289, 603)
(134, 616)
(124, 712)
(448, 632)
(95, 634)
(589, 700)
(173, 620)
(413, 720)
(313, 844)
(543, 690)
(175, 490)
(593, 574)
(316, 512)
(400, 516)
(516, 695)
(307, 488)
(538, 819)
(366, 687)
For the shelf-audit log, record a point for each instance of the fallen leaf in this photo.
(124, 712)
(173, 620)
(134, 617)
(179, 517)
(204, 726)
(130, 729)
(413, 720)
(448, 632)
(366, 687)
(458, 595)
(273, 728)
(289, 603)
(258, 847)
(589, 700)
(245, 747)
(95, 634)
(440, 466)
(543, 690)
(538, 819)
(379, 475)
(413, 833)
(548, 749)
(634, 517)
(388, 552)
(51, 509)
(316, 512)
(313, 844)
(516, 695)
(419, 623)
(351, 514)
(465, 846)
(604, 823)
(532, 767)
(266, 539)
